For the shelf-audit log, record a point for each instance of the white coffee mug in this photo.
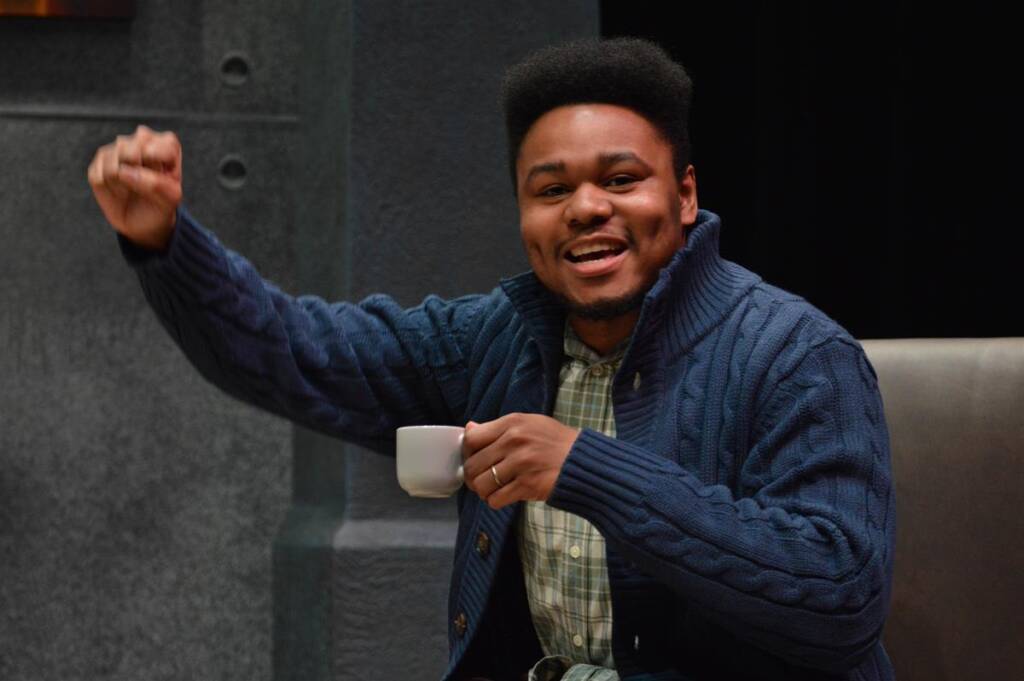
(429, 460)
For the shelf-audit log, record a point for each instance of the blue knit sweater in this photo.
(746, 503)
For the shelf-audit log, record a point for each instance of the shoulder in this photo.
(790, 314)
(798, 344)
(784, 331)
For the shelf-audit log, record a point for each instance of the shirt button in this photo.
(575, 552)
(597, 370)
(577, 640)
(483, 545)
(460, 624)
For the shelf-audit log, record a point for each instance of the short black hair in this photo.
(629, 72)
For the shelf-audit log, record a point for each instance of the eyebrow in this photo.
(604, 160)
(544, 168)
(615, 157)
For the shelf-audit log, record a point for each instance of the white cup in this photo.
(429, 460)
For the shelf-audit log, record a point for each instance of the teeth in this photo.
(592, 248)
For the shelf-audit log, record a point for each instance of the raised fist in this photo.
(137, 184)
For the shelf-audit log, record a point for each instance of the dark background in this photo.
(863, 155)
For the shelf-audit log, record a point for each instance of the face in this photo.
(601, 209)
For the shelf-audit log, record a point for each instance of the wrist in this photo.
(156, 240)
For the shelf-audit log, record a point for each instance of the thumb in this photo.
(471, 424)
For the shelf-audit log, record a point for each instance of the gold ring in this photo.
(494, 474)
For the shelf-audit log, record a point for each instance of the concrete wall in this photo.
(150, 526)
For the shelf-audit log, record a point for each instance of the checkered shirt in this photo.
(563, 555)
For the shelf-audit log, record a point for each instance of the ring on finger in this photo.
(497, 480)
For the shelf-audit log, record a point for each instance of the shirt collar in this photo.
(578, 350)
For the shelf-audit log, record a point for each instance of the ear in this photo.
(688, 197)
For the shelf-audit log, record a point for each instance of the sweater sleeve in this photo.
(356, 371)
(800, 564)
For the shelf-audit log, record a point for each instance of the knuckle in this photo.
(518, 435)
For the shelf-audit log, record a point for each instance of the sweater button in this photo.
(460, 624)
(483, 544)
(636, 381)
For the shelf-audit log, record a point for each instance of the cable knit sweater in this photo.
(746, 502)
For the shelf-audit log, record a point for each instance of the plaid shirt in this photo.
(563, 555)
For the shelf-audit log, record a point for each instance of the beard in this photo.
(605, 310)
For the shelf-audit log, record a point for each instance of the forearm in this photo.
(351, 371)
(800, 566)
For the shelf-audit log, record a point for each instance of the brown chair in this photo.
(955, 410)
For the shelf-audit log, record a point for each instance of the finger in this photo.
(508, 494)
(484, 483)
(150, 184)
(466, 451)
(129, 150)
(145, 134)
(103, 174)
(109, 163)
(163, 152)
(100, 189)
(95, 172)
(480, 462)
(483, 434)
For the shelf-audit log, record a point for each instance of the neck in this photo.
(603, 335)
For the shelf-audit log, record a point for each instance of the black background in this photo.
(863, 155)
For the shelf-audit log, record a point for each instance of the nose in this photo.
(588, 207)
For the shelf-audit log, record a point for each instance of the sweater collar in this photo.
(692, 294)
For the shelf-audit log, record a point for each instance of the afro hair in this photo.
(628, 72)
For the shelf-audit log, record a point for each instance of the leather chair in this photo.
(955, 410)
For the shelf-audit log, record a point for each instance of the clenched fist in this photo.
(137, 183)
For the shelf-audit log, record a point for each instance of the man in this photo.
(673, 470)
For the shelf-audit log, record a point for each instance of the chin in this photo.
(605, 309)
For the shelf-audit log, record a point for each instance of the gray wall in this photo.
(151, 527)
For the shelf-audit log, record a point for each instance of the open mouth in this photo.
(594, 252)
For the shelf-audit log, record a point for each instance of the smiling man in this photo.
(601, 209)
(675, 470)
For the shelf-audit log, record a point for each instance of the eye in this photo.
(620, 181)
(552, 191)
